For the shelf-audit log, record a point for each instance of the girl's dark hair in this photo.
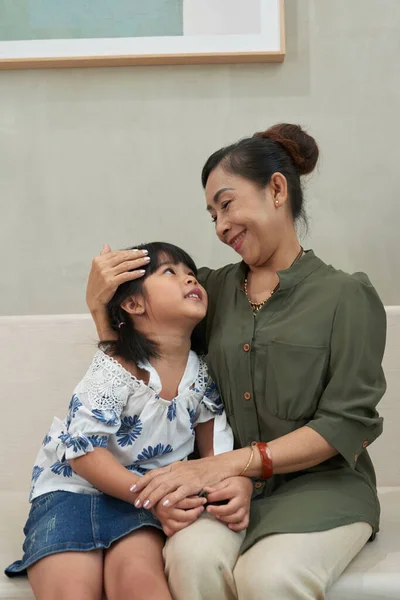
(131, 344)
(282, 148)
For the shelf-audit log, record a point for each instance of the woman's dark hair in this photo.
(282, 148)
(131, 344)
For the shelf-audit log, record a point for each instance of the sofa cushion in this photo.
(375, 573)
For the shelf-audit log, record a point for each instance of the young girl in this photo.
(142, 404)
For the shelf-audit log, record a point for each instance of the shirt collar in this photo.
(288, 277)
(190, 375)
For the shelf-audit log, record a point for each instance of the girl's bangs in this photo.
(162, 252)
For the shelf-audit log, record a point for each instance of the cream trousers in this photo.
(202, 562)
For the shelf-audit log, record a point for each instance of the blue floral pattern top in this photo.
(112, 409)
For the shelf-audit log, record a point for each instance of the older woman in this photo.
(295, 347)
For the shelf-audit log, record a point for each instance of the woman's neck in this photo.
(263, 279)
(280, 260)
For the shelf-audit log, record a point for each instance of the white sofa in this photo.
(41, 360)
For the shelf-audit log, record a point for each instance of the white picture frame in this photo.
(203, 44)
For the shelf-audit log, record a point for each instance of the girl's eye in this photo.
(214, 219)
(169, 270)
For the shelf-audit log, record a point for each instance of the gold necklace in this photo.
(256, 306)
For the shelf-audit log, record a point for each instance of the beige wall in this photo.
(88, 156)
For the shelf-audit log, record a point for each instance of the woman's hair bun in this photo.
(298, 143)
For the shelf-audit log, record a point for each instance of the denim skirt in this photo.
(66, 521)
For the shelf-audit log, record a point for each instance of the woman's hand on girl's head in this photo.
(178, 517)
(236, 492)
(108, 271)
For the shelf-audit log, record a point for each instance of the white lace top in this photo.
(112, 409)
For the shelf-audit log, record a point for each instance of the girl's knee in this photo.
(68, 591)
(138, 580)
(138, 573)
(68, 576)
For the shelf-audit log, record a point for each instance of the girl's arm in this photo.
(230, 500)
(105, 473)
(205, 438)
(95, 414)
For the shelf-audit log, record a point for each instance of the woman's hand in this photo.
(237, 491)
(108, 271)
(175, 518)
(180, 480)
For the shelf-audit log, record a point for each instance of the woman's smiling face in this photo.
(246, 217)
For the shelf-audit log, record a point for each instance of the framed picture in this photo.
(88, 33)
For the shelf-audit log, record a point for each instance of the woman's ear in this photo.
(133, 305)
(279, 189)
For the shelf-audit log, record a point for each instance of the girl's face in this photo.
(246, 218)
(172, 293)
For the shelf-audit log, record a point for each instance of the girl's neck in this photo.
(173, 350)
(173, 341)
(171, 362)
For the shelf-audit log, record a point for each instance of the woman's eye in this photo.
(224, 206)
(169, 270)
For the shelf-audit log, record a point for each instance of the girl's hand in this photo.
(181, 515)
(180, 480)
(108, 271)
(238, 492)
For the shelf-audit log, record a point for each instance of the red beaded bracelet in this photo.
(266, 458)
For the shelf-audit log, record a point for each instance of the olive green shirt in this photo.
(310, 357)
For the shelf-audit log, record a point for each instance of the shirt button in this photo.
(258, 485)
(246, 347)
(365, 443)
(247, 395)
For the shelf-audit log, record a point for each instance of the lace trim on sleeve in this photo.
(107, 383)
(201, 380)
(206, 386)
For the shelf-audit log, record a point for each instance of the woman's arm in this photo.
(105, 473)
(346, 415)
(108, 271)
(298, 450)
